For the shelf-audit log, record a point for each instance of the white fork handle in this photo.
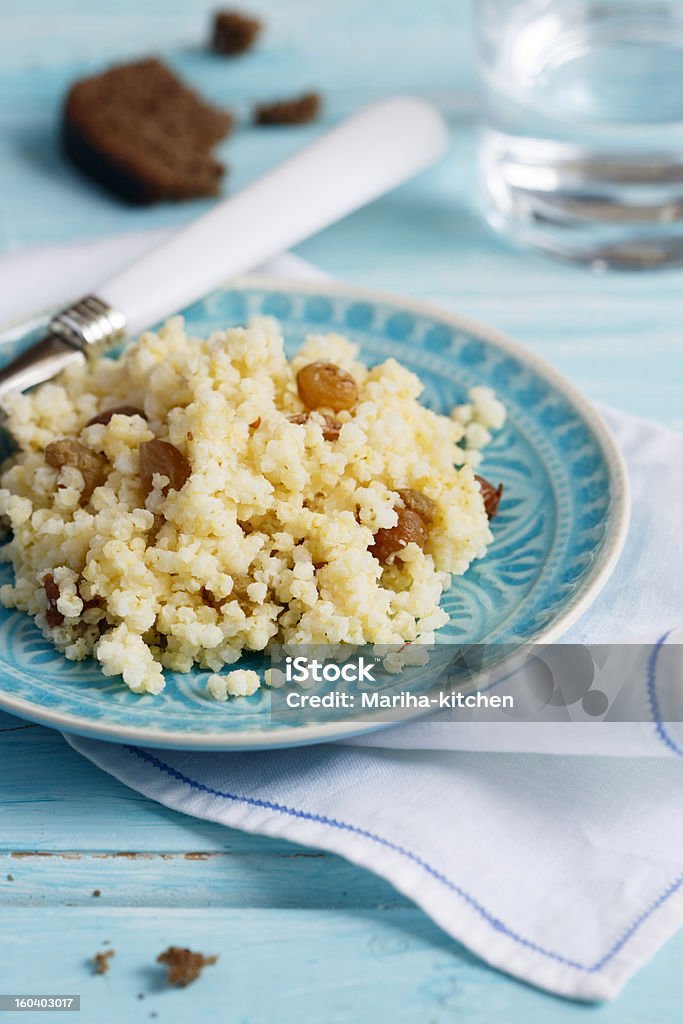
(366, 155)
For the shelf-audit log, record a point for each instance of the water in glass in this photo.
(581, 147)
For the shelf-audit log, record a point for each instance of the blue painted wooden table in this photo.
(302, 936)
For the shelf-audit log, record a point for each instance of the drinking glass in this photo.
(581, 145)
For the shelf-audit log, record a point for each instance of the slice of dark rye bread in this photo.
(143, 134)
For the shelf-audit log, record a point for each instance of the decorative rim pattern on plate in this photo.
(561, 527)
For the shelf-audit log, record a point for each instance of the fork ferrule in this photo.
(90, 325)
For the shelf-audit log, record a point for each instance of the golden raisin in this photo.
(410, 528)
(419, 503)
(324, 385)
(164, 458)
(119, 410)
(331, 426)
(72, 453)
(490, 494)
(53, 616)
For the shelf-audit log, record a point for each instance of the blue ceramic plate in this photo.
(559, 531)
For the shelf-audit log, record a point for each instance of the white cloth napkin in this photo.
(566, 871)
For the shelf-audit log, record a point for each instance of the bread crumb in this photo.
(184, 966)
(234, 32)
(101, 961)
(300, 110)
